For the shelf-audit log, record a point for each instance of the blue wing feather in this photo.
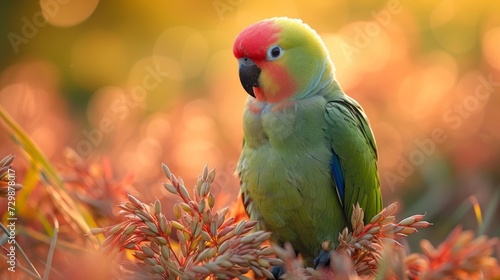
(338, 176)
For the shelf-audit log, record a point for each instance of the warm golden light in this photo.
(68, 12)
(98, 57)
(184, 46)
(490, 44)
(127, 86)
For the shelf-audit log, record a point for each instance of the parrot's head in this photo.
(282, 59)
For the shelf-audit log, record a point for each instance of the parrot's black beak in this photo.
(249, 74)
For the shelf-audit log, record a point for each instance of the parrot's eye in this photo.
(274, 52)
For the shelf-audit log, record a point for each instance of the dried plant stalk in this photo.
(8, 185)
(200, 243)
(360, 252)
(460, 256)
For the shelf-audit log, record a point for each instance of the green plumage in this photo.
(285, 166)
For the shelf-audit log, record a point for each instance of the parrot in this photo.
(308, 153)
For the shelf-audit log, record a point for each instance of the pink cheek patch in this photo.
(258, 94)
(283, 81)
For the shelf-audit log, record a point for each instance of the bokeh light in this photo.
(187, 47)
(67, 13)
(490, 42)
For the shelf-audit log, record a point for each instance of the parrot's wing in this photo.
(354, 161)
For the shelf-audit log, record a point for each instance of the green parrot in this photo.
(309, 153)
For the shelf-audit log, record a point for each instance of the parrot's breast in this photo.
(285, 173)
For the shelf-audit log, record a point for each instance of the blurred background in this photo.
(157, 82)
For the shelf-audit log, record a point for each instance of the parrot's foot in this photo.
(277, 272)
(323, 259)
